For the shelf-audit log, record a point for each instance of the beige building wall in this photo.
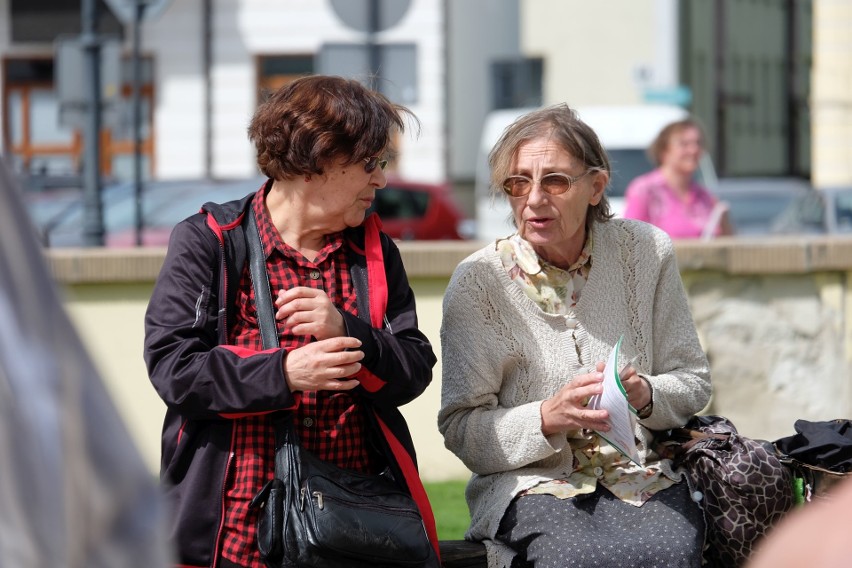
(831, 93)
(600, 52)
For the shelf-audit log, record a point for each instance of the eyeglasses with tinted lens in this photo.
(371, 163)
(553, 184)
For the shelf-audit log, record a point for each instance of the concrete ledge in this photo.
(425, 259)
(101, 265)
(775, 255)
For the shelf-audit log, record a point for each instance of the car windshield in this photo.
(804, 215)
(60, 219)
(843, 204)
(754, 213)
(629, 163)
(394, 202)
(626, 164)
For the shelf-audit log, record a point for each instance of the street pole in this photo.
(138, 13)
(374, 56)
(93, 222)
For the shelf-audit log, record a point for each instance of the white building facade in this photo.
(206, 64)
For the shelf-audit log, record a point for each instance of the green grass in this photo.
(450, 508)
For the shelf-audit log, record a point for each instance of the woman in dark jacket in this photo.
(348, 332)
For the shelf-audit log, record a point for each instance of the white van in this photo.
(625, 132)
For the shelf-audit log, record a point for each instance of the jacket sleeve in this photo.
(192, 373)
(399, 354)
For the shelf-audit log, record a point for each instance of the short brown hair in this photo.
(308, 123)
(661, 142)
(572, 134)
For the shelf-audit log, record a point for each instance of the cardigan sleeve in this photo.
(486, 435)
(680, 375)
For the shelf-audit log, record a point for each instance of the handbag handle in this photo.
(260, 283)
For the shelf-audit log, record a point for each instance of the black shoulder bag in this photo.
(316, 515)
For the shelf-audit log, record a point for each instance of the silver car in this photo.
(818, 211)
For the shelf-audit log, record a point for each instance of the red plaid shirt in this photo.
(331, 425)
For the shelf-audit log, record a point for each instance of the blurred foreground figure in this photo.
(816, 536)
(74, 492)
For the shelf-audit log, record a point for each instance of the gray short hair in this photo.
(572, 134)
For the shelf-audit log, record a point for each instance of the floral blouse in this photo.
(557, 291)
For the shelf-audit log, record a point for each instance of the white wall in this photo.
(174, 41)
(244, 29)
(479, 32)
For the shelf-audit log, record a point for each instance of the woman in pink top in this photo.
(668, 196)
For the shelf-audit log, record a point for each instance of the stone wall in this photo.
(776, 323)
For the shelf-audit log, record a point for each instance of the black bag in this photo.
(314, 514)
(819, 456)
(827, 444)
(744, 488)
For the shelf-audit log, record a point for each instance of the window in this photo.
(36, 139)
(31, 127)
(396, 203)
(275, 71)
(843, 203)
(517, 83)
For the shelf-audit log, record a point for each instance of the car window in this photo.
(811, 211)
(164, 204)
(629, 163)
(396, 203)
(805, 214)
(626, 164)
(843, 205)
(750, 212)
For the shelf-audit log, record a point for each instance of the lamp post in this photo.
(93, 221)
(138, 13)
(133, 13)
(374, 55)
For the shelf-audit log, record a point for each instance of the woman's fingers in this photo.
(308, 311)
(324, 365)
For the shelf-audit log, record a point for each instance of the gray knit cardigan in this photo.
(502, 356)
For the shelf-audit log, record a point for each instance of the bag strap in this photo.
(260, 283)
(285, 435)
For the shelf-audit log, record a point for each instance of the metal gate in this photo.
(748, 64)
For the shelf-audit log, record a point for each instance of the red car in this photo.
(419, 211)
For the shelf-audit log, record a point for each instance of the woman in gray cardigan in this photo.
(529, 321)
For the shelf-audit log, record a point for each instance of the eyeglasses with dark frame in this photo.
(372, 162)
(552, 184)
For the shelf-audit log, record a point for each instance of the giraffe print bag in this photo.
(740, 483)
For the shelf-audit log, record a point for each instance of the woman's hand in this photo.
(566, 410)
(637, 389)
(308, 311)
(324, 365)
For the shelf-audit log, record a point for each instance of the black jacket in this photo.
(206, 384)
